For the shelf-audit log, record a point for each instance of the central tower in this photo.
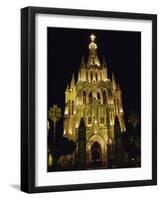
(96, 99)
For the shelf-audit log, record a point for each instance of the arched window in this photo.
(86, 75)
(91, 76)
(102, 120)
(84, 97)
(89, 120)
(96, 77)
(90, 97)
(104, 97)
(100, 76)
(69, 106)
(98, 97)
(72, 107)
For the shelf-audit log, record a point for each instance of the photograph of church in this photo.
(87, 125)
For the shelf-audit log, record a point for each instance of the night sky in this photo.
(121, 50)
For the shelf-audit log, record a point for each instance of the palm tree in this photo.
(54, 115)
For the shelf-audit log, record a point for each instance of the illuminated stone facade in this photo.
(97, 99)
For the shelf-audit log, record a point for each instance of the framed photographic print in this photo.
(88, 99)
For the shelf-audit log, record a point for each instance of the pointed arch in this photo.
(96, 138)
(99, 97)
(84, 97)
(101, 142)
(96, 153)
(90, 97)
(69, 106)
(96, 77)
(89, 120)
(72, 107)
(104, 97)
(86, 75)
(100, 76)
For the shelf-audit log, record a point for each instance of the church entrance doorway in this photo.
(96, 155)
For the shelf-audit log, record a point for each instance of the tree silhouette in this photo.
(62, 147)
(54, 115)
(132, 140)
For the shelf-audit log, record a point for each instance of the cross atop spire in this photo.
(92, 44)
(92, 37)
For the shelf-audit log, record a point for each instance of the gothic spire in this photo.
(104, 64)
(113, 82)
(72, 84)
(118, 87)
(93, 59)
(83, 62)
(67, 88)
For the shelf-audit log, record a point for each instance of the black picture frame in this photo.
(28, 98)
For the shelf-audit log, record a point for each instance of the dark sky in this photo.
(122, 52)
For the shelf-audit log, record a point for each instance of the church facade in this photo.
(97, 100)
